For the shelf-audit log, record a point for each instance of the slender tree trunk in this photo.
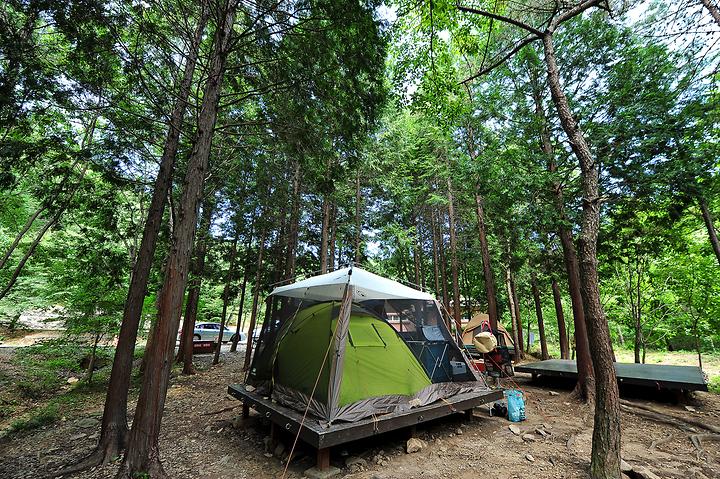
(358, 218)
(435, 246)
(518, 317)
(226, 298)
(541, 323)
(294, 225)
(20, 235)
(333, 234)
(513, 316)
(453, 258)
(416, 250)
(605, 461)
(586, 376)
(708, 219)
(487, 268)
(114, 428)
(562, 329)
(197, 269)
(256, 298)
(143, 452)
(697, 342)
(443, 262)
(713, 9)
(238, 329)
(93, 357)
(51, 222)
(325, 235)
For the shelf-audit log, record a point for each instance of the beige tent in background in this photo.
(469, 331)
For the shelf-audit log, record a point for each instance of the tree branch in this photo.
(572, 12)
(503, 18)
(502, 60)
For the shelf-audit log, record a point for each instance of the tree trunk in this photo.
(541, 323)
(114, 428)
(605, 461)
(562, 329)
(487, 268)
(358, 217)
(333, 235)
(51, 222)
(454, 259)
(709, 223)
(713, 9)
(226, 298)
(513, 316)
(143, 453)
(417, 248)
(20, 235)
(197, 269)
(294, 225)
(256, 298)
(238, 329)
(93, 356)
(325, 235)
(435, 246)
(518, 317)
(586, 377)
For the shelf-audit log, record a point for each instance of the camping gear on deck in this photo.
(497, 360)
(484, 342)
(350, 344)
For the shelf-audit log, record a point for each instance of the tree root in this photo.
(697, 439)
(154, 470)
(659, 442)
(106, 451)
(660, 416)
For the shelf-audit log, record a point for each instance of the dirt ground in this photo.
(203, 437)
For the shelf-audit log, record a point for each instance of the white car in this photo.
(210, 332)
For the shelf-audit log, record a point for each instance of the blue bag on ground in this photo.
(515, 405)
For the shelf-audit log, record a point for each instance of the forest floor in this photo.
(203, 437)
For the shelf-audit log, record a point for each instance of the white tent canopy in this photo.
(331, 286)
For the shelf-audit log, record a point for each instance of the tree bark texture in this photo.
(518, 318)
(453, 258)
(541, 323)
(143, 452)
(559, 313)
(240, 320)
(710, 224)
(197, 269)
(713, 9)
(358, 218)
(513, 316)
(436, 260)
(605, 460)
(226, 299)
(256, 298)
(586, 378)
(325, 235)
(487, 267)
(114, 429)
(294, 225)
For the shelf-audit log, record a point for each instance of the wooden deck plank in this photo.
(660, 376)
(321, 436)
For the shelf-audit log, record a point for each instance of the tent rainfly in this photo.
(351, 344)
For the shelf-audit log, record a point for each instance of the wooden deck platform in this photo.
(323, 437)
(658, 376)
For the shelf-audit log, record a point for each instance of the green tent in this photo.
(377, 360)
(350, 344)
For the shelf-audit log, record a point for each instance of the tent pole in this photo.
(338, 358)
